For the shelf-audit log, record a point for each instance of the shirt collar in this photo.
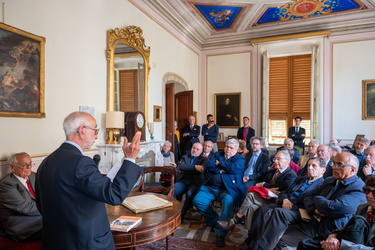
(75, 145)
(22, 180)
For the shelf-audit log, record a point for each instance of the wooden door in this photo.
(183, 108)
(169, 113)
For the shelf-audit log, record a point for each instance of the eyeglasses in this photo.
(24, 165)
(339, 165)
(95, 129)
(278, 159)
(366, 190)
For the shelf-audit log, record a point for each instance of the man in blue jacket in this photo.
(223, 183)
(330, 207)
(71, 192)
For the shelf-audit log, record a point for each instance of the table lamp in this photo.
(115, 120)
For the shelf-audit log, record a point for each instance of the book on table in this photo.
(146, 202)
(125, 223)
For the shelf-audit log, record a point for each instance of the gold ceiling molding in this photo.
(290, 37)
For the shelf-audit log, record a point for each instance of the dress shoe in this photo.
(220, 241)
(227, 225)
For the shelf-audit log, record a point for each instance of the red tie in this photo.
(244, 134)
(30, 188)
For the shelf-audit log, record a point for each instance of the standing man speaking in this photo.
(71, 191)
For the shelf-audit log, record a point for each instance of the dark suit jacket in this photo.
(71, 193)
(283, 181)
(250, 133)
(187, 170)
(338, 207)
(232, 179)
(19, 214)
(297, 138)
(191, 138)
(260, 169)
(288, 193)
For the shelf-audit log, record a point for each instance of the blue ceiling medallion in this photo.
(301, 9)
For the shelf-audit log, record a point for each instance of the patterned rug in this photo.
(195, 234)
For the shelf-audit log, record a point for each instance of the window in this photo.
(289, 95)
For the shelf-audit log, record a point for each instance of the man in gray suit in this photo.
(19, 216)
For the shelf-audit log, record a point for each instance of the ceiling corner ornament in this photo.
(303, 9)
(131, 35)
(218, 17)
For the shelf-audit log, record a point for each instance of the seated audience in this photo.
(359, 151)
(222, 183)
(207, 149)
(168, 156)
(325, 152)
(289, 201)
(336, 149)
(330, 206)
(288, 143)
(292, 165)
(19, 215)
(242, 150)
(277, 179)
(190, 175)
(358, 233)
(369, 169)
(311, 152)
(256, 163)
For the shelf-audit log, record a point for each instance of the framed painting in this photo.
(21, 73)
(227, 110)
(157, 113)
(368, 100)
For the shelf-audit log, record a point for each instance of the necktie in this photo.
(193, 160)
(297, 128)
(274, 177)
(244, 134)
(191, 127)
(249, 171)
(30, 188)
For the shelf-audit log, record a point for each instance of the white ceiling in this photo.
(180, 15)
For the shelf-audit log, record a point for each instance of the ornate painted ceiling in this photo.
(220, 23)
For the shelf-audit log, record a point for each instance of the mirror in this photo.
(128, 70)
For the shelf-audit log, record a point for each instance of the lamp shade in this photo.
(115, 119)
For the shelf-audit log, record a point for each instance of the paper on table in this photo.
(112, 173)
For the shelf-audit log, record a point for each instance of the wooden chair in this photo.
(156, 187)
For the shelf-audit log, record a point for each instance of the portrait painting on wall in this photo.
(21, 73)
(227, 109)
(368, 99)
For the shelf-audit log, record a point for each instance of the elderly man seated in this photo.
(223, 183)
(330, 206)
(358, 233)
(19, 216)
(277, 179)
(190, 175)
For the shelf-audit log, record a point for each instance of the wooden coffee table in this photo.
(156, 225)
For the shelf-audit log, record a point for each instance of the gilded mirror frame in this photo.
(133, 37)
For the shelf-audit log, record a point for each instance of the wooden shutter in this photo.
(129, 90)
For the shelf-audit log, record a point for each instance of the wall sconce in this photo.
(114, 121)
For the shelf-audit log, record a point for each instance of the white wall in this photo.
(76, 66)
(353, 61)
(229, 74)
